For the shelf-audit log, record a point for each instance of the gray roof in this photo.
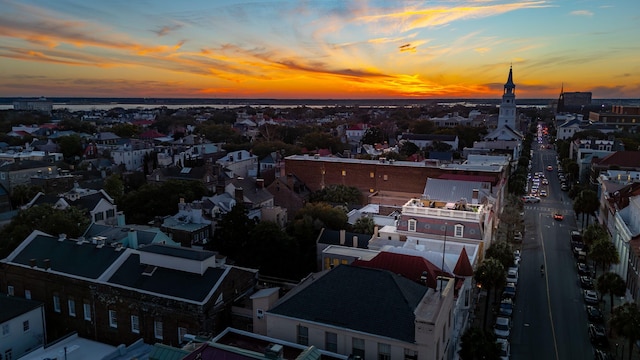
(144, 234)
(11, 307)
(454, 190)
(332, 237)
(67, 256)
(169, 282)
(362, 299)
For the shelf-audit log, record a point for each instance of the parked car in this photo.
(583, 269)
(591, 297)
(506, 307)
(594, 314)
(512, 276)
(502, 327)
(505, 349)
(586, 282)
(598, 336)
(509, 291)
(517, 237)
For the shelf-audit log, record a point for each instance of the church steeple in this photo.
(509, 86)
(507, 114)
(560, 107)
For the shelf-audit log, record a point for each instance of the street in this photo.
(550, 321)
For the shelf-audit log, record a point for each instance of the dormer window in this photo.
(412, 225)
(458, 230)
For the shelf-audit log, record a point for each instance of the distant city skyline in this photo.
(318, 49)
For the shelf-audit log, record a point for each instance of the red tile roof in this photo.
(411, 267)
(463, 266)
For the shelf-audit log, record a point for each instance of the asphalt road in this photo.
(550, 321)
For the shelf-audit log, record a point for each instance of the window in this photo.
(303, 335)
(412, 225)
(135, 324)
(181, 333)
(111, 213)
(113, 319)
(385, 177)
(72, 307)
(8, 354)
(331, 341)
(371, 175)
(157, 329)
(10, 290)
(56, 303)
(357, 347)
(384, 351)
(25, 326)
(344, 172)
(5, 329)
(260, 313)
(86, 307)
(458, 230)
(410, 354)
(27, 294)
(99, 216)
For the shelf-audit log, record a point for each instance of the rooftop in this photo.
(11, 307)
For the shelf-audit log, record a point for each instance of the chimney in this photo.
(260, 183)
(32, 262)
(355, 241)
(375, 231)
(133, 239)
(342, 235)
(121, 219)
(474, 197)
(62, 237)
(239, 195)
(47, 264)
(219, 189)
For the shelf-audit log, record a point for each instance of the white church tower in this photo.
(507, 115)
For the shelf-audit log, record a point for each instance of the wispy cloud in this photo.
(581, 13)
(165, 30)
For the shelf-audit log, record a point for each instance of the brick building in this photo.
(118, 295)
(372, 176)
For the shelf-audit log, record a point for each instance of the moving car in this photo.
(531, 199)
(598, 336)
(502, 327)
(543, 192)
(594, 314)
(591, 297)
(558, 216)
(549, 168)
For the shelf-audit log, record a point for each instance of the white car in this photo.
(531, 199)
(512, 276)
(502, 327)
(505, 349)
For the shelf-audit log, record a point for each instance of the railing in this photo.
(440, 212)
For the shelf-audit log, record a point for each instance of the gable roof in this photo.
(463, 266)
(361, 299)
(409, 266)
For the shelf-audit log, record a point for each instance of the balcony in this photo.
(439, 209)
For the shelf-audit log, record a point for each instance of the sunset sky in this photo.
(318, 49)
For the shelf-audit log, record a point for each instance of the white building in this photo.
(21, 324)
(240, 163)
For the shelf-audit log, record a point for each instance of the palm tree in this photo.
(605, 253)
(612, 284)
(476, 344)
(625, 320)
(594, 233)
(489, 275)
(591, 202)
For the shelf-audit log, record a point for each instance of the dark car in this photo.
(598, 336)
(594, 314)
(509, 291)
(586, 282)
(583, 269)
(506, 307)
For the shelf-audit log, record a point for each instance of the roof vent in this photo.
(149, 270)
(273, 351)
(62, 237)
